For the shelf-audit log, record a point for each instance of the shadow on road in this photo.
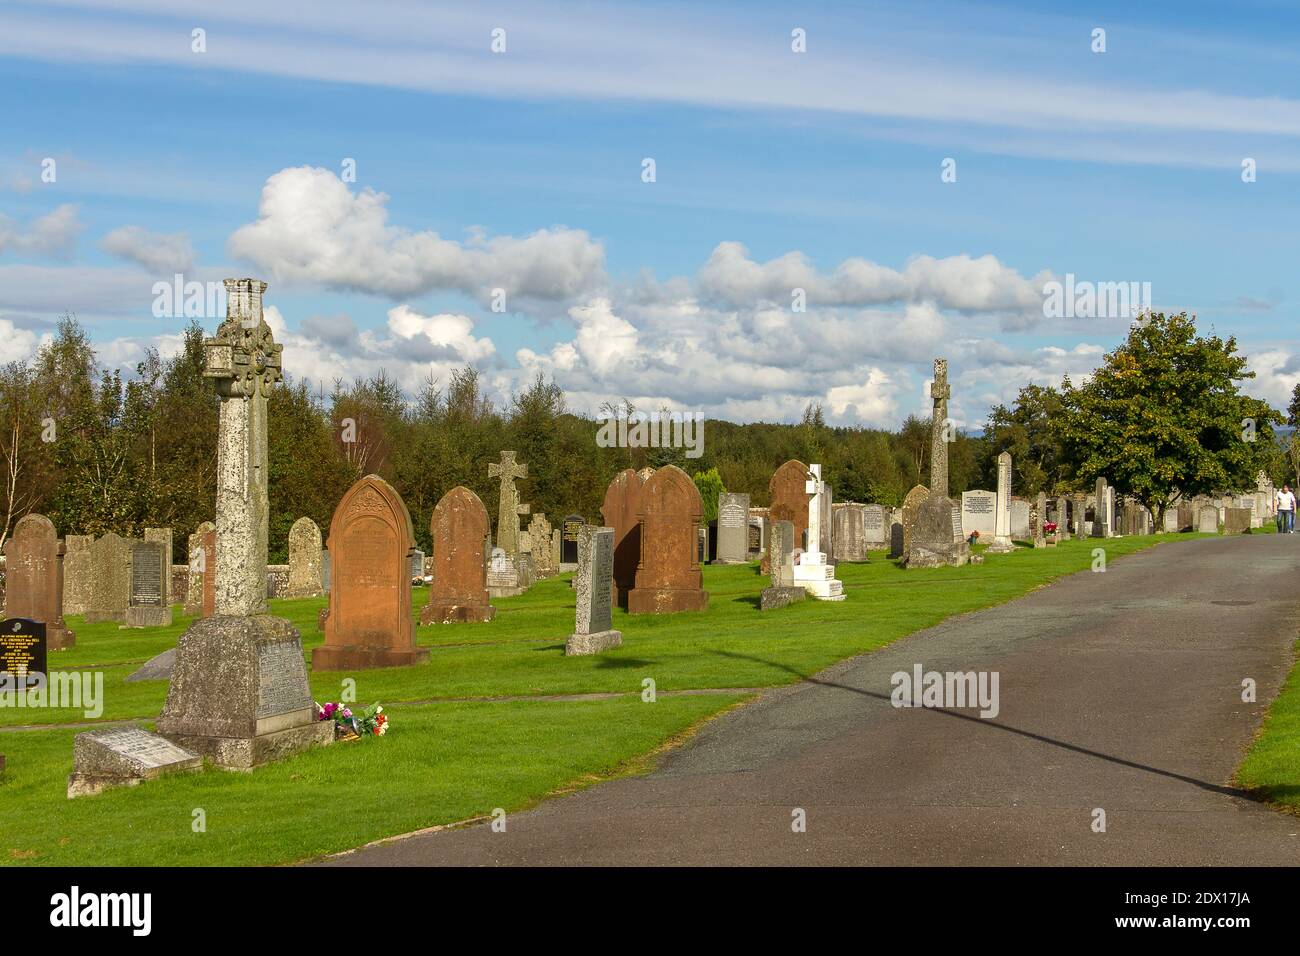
(993, 725)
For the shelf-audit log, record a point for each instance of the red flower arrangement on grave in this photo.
(371, 722)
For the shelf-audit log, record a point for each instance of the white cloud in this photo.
(871, 401)
(444, 337)
(54, 234)
(960, 282)
(312, 228)
(1277, 373)
(163, 254)
(17, 344)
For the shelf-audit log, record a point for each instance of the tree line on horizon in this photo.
(97, 450)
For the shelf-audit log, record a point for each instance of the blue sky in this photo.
(522, 170)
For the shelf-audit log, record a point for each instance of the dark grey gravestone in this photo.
(569, 541)
(24, 649)
(594, 616)
(755, 538)
(147, 602)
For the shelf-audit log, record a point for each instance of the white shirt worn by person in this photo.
(1285, 501)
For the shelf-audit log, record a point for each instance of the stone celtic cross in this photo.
(940, 392)
(508, 509)
(243, 359)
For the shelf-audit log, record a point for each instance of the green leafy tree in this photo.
(1031, 432)
(913, 449)
(1164, 415)
(710, 485)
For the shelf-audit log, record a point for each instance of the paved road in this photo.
(1119, 691)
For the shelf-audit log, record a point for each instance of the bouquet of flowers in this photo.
(371, 722)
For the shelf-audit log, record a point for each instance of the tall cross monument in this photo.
(239, 693)
(813, 486)
(508, 509)
(243, 359)
(940, 392)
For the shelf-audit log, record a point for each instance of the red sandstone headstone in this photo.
(34, 578)
(788, 501)
(208, 605)
(459, 528)
(668, 578)
(370, 622)
(621, 511)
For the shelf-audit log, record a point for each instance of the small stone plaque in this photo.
(141, 747)
(23, 648)
(282, 686)
(124, 757)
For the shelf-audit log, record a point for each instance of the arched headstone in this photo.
(621, 511)
(459, 528)
(668, 577)
(788, 501)
(370, 623)
(34, 578)
(304, 560)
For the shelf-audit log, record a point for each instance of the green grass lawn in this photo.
(1272, 766)
(448, 759)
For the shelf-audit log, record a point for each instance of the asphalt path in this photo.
(1118, 692)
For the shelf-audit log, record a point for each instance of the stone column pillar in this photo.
(1100, 529)
(1002, 518)
(244, 359)
(940, 392)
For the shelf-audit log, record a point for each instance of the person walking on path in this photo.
(1286, 510)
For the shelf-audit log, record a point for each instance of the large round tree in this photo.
(1164, 415)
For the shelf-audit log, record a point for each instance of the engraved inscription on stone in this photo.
(873, 519)
(731, 515)
(142, 747)
(146, 575)
(602, 571)
(980, 504)
(282, 679)
(23, 648)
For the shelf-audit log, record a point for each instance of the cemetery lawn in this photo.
(473, 728)
(1272, 766)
